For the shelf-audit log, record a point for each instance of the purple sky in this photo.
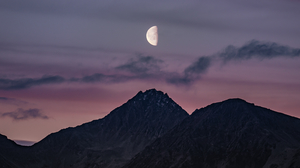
(63, 62)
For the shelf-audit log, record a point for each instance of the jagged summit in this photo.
(150, 91)
(149, 103)
(147, 106)
(151, 94)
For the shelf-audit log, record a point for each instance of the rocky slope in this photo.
(9, 151)
(229, 134)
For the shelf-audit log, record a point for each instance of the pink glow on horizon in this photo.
(70, 106)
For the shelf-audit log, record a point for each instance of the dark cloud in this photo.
(149, 68)
(258, 49)
(24, 83)
(141, 65)
(192, 72)
(14, 84)
(22, 114)
(252, 49)
(4, 98)
(198, 67)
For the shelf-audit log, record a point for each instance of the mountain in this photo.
(6, 156)
(152, 131)
(109, 142)
(229, 134)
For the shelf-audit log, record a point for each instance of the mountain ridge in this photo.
(151, 130)
(232, 133)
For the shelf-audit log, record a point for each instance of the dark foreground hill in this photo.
(229, 134)
(9, 150)
(152, 131)
(107, 143)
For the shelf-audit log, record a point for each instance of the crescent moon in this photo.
(152, 35)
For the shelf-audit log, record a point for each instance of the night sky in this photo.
(67, 62)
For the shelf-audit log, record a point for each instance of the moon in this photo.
(152, 35)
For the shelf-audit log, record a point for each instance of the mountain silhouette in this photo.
(152, 131)
(107, 142)
(233, 134)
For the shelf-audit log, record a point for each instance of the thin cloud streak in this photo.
(7, 100)
(10, 84)
(22, 114)
(149, 68)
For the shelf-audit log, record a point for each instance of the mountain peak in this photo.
(148, 104)
(236, 101)
(151, 92)
(228, 104)
(153, 96)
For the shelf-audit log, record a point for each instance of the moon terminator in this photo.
(152, 35)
